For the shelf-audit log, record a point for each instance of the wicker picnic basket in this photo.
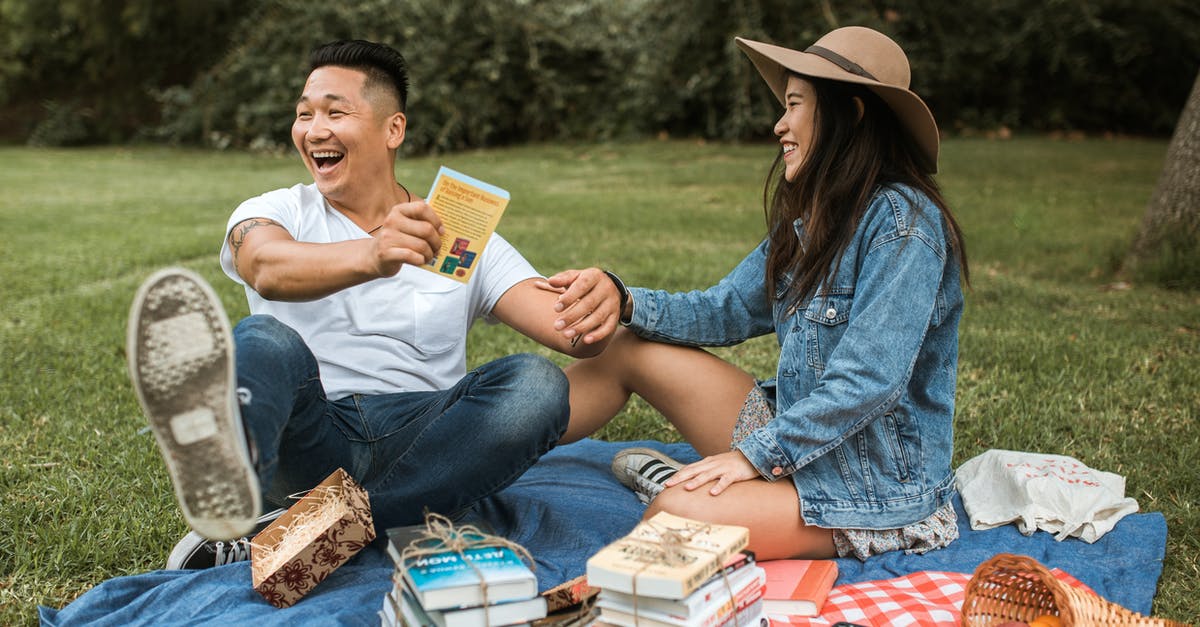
(1011, 587)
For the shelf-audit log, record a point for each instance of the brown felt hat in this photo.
(853, 54)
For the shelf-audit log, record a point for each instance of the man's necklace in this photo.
(408, 198)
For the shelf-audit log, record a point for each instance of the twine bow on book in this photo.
(441, 535)
(670, 549)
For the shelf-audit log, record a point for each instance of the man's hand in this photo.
(588, 305)
(725, 469)
(410, 234)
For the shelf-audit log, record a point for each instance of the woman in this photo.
(847, 450)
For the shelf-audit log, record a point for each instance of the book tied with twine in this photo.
(665, 557)
(449, 576)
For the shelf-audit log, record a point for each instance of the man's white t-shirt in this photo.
(399, 334)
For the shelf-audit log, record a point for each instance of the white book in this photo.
(634, 564)
(750, 616)
(508, 613)
(746, 583)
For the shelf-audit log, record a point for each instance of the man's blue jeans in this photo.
(439, 451)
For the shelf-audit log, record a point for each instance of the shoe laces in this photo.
(233, 551)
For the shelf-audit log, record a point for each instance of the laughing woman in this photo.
(847, 449)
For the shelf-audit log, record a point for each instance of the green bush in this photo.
(224, 73)
(98, 61)
(510, 71)
(64, 125)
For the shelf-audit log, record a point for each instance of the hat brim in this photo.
(776, 63)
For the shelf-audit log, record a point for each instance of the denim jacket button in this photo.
(776, 471)
(831, 313)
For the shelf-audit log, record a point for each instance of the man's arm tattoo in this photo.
(237, 236)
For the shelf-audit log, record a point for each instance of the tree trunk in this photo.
(1167, 247)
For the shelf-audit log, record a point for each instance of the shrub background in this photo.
(222, 73)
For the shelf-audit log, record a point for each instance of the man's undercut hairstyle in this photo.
(383, 65)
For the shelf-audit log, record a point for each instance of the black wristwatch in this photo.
(624, 292)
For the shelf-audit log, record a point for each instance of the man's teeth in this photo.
(326, 154)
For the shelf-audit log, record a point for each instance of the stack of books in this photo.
(675, 572)
(481, 587)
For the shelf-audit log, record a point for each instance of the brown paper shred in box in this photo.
(316, 535)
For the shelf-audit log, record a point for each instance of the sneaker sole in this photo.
(180, 352)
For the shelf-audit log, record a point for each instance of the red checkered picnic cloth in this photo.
(925, 598)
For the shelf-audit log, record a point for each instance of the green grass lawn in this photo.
(1053, 359)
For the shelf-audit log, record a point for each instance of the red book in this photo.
(797, 587)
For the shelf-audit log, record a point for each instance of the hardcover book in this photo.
(797, 587)
(449, 580)
(390, 615)
(508, 613)
(398, 538)
(569, 594)
(410, 609)
(665, 557)
(750, 616)
(746, 586)
(738, 576)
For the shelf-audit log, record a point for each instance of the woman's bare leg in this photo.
(698, 392)
(701, 395)
(769, 509)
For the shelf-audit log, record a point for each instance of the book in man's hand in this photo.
(797, 587)
(665, 557)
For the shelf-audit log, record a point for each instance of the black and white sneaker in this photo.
(644, 470)
(180, 352)
(193, 551)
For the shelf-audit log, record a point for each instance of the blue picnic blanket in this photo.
(563, 510)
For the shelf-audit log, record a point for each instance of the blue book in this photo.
(449, 580)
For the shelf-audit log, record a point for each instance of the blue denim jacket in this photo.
(865, 383)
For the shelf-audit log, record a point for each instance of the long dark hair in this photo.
(849, 159)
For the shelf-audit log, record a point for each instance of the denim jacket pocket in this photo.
(885, 436)
(874, 462)
(826, 320)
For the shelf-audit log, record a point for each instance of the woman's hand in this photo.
(589, 304)
(725, 468)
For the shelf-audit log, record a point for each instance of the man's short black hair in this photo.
(383, 65)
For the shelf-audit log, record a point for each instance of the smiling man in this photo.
(351, 357)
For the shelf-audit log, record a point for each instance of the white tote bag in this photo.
(1053, 493)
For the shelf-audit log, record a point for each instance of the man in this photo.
(352, 357)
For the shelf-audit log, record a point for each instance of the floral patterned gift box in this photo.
(316, 535)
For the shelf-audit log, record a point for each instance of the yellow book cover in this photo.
(665, 557)
(470, 210)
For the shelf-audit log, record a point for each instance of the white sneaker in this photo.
(180, 352)
(644, 470)
(194, 551)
